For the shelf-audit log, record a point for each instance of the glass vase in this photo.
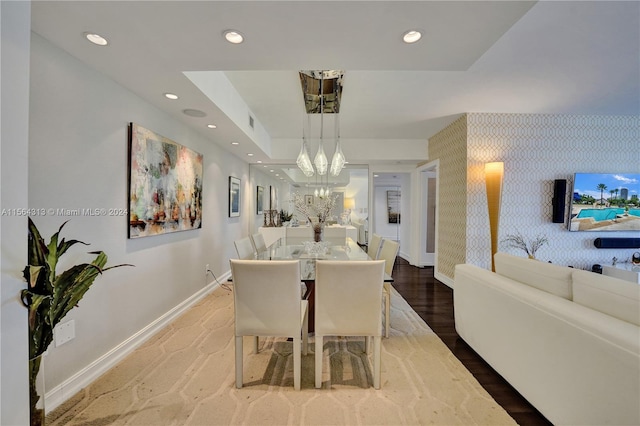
(318, 232)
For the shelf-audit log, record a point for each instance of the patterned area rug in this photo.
(185, 376)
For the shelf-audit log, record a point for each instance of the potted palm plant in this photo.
(50, 296)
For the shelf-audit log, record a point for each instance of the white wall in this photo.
(78, 159)
(14, 386)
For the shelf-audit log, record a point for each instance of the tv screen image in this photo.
(605, 202)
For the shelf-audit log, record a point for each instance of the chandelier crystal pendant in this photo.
(303, 161)
(338, 160)
(321, 160)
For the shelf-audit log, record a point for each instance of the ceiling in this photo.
(559, 57)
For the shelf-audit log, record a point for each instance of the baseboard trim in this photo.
(443, 279)
(59, 394)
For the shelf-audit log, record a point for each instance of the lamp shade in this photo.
(493, 174)
(349, 203)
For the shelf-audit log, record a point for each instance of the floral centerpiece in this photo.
(317, 212)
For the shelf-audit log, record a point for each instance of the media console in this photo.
(624, 271)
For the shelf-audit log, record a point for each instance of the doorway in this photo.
(426, 179)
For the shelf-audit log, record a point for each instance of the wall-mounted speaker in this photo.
(612, 243)
(559, 196)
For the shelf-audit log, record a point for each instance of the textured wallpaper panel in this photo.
(536, 150)
(450, 146)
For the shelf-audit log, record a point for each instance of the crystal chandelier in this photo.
(322, 91)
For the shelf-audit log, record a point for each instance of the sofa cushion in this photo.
(547, 277)
(611, 296)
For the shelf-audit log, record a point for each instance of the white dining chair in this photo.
(244, 248)
(258, 242)
(298, 234)
(388, 253)
(268, 302)
(348, 295)
(374, 246)
(335, 234)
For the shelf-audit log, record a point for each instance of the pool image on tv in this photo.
(605, 202)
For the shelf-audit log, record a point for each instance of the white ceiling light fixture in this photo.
(171, 96)
(233, 36)
(322, 93)
(96, 39)
(212, 126)
(411, 36)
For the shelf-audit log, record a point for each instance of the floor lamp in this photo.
(493, 173)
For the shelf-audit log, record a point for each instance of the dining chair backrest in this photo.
(268, 302)
(244, 248)
(374, 246)
(348, 295)
(389, 252)
(298, 234)
(335, 234)
(258, 242)
(267, 297)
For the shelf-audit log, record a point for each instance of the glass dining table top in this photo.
(308, 252)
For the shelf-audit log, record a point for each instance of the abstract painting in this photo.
(165, 185)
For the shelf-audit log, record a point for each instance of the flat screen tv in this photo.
(605, 202)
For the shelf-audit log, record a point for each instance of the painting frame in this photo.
(234, 196)
(164, 180)
(308, 199)
(393, 206)
(273, 198)
(259, 200)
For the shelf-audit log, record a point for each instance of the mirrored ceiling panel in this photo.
(322, 88)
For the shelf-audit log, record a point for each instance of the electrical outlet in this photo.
(64, 332)
(206, 269)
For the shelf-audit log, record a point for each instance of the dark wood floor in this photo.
(433, 301)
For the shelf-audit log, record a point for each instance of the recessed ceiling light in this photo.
(411, 36)
(235, 143)
(375, 175)
(171, 96)
(250, 154)
(260, 162)
(96, 39)
(233, 36)
(212, 126)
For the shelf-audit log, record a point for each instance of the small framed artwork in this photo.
(234, 196)
(308, 199)
(259, 200)
(273, 198)
(393, 206)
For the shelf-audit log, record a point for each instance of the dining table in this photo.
(308, 252)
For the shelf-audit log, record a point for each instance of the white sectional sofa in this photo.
(568, 340)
